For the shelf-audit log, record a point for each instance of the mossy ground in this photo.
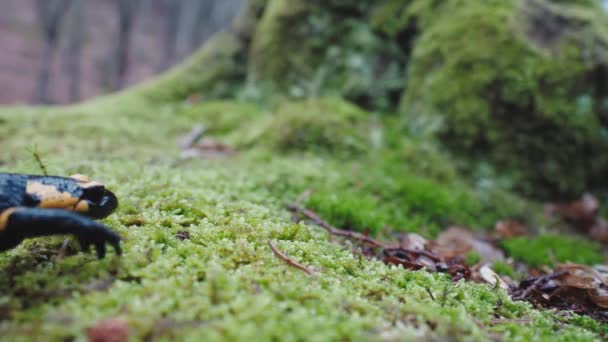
(551, 249)
(224, 283)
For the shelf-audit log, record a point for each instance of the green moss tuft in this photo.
(329, 125)
(551, 249)
(472, 258)
(309, 49)
(503, 268)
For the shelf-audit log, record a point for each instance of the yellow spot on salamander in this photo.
(4, 218)
(80, 178)
(50, 197)
(82, 207)
(84, 181)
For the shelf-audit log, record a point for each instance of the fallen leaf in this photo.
(581, 213)
(508, 229)
(109, 330)
(458, 241)
(580, 276)
(599, 230)
(208, 148)
(414, 241)
(488, 275)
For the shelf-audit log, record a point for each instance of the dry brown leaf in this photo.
(414, 241)
(586, 278)
(109, 330)
(458, 241)
(508, 229)
(488, 275)
(599, 231)
(208, 148)
(580, 276)
(582, 213)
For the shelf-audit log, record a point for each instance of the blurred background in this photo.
(62, 51)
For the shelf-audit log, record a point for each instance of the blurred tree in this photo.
(127, 10)
(50, 14)
(75, 35)
(188, 23)
(215, 17)
(171, 10)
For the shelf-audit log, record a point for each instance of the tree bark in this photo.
(127, 10)
(50, 14)
(73, 53)
(171, 11)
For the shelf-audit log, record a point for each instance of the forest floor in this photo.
(198, 225)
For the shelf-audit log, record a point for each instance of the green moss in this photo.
(505, 100)
(503, 268)
(223, 283)
(472, 258)
(551, 249)
(329, 125)
(220, 117)
(308, 49)
(392, 196)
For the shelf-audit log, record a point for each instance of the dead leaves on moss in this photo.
(579, 288)
(192, 145)
(412, 252)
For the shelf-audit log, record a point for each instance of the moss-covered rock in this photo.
(535, 115)
(304, 49)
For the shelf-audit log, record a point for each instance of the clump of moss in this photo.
(222, 117)
(302, 50)
(550, 249)
(472, 258)
(329, 125)
(390, 196)
(538, 117)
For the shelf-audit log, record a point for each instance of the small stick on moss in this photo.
(39, 160)
(333, 230)
(289, 261)
(192, 137)
(62, 250)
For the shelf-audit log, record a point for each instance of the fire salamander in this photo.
(32, 206)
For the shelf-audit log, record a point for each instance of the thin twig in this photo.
(192, 137)
(62, 250)
(289, 261)
(423, 252)
(333, 230)
(38, 159)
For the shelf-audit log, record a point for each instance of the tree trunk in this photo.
(126, 17)
(73, 53)
(171, 11)
(50, 14)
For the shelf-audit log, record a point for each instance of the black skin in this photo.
(26, 219)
